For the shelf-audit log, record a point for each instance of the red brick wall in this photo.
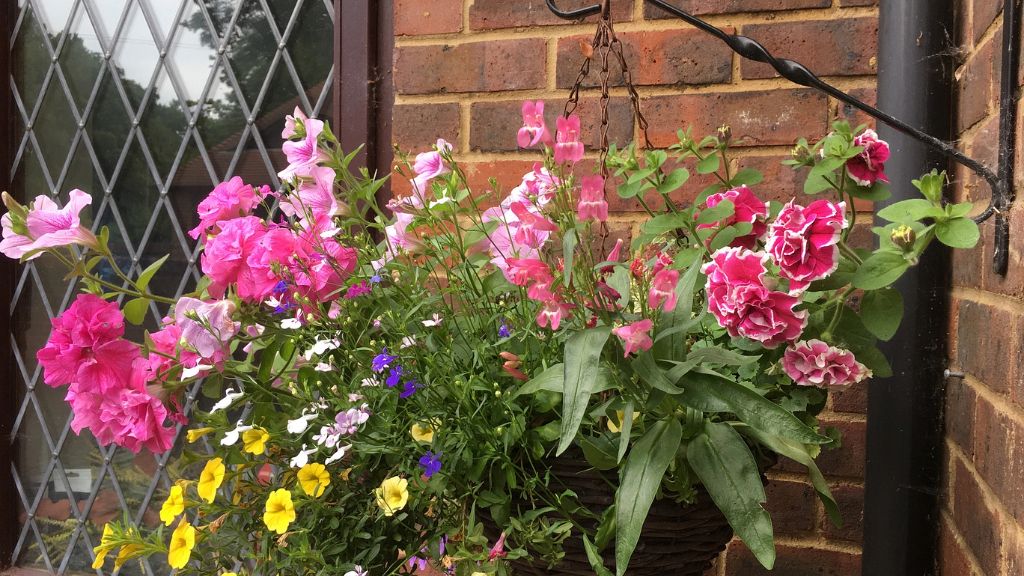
(983, 497)
(463, 67)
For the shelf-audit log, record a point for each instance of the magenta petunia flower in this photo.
(815, 363)
(803, 241)
(748, 208)
(229, 200)
(225, 255)
(869, 166)
(635, 337)
(568, 148)
(46, 225)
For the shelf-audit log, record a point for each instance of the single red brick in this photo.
(985, 12)
(989, 354)
(975, 87)
(792, 561)
(953, 558)
(839, 47)
(979, 523)
(492, 14)
(792, 506)
(850, 499)
(847, 460)
(494, 124)
(961, 402)
(849, 3)
(853, 399)
(707, 7)
(756, 118)
(489, 66)
(417, 127)
(416, 18)
(668, 57)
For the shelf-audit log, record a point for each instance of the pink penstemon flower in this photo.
(568, 148)
(635, 337)
(663, 290)
(592, 204)
(43, 224)
(534, 130)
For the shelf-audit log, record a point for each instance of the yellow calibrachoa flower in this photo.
(314, 479)
(393, 495)
(279, 511)
(210, 479)
(182, 541)
(254, 440)
(103, 548)
(127, 552)
(173, 506)
(616, 425)
(196, 434)
(422, 433)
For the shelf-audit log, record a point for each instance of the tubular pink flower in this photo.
(635, 337)
(303, 155)
(815, 363)
(229, 200)
(568, 148)
(550, 316)
(663, 290)
(803, 241)
(534, 229)
(534, 130)
(869, 166)
(748, 208)
(538, 187)
(592, 204)
(46, 226)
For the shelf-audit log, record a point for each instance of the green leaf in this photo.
(582, 370)
(625, 429)
(648, 370)
(877, 192)
(746, 177)
(666, 223)
(931, 185)
(911, 210)
(550, 380)
(599, 452)
(958, 233)
(708, 392)
(880, 270)
(727, 469)
(716, 355)
(822, 176)
(641, 477)
(881, 311)
(718, 212)
(143, 281)
(135, 310)
(594, 557)
(959, 210)
(709, 165)
(619, 281)
(568, 251)
(674, 348)
(799, 453)
(875, 360)
(674, 181)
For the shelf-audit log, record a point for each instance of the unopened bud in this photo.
(801, 154)
(904, 237)
(725, 133)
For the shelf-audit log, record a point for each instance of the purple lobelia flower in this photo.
(431, 463)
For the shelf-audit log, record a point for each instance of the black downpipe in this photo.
(904, 431)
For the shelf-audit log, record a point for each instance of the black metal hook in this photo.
(1001, 183)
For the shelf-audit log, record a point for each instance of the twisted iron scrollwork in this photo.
(999, 180)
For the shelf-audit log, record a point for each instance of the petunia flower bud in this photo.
(904, 237)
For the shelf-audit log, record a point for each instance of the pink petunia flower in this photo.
(663, 290)
(45, 225)
(803, 241)
(748, 208)
(568, 148)
(313, 197)
(229, 200)
(225, 255)
(303, 155)
(206, 327)
(86, 347)
(534, 130)
(744, 306)
(134, 419)
(815, 363)
(869, 166)
(289, 123)
(592, 204)
(635, 337)
(430, 165)
(539, 187)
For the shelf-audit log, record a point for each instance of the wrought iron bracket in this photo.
(1000, 180)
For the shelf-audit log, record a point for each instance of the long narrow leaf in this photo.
(582, 372)
(641, 478)
(729, 473)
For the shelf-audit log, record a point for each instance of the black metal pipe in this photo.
(904, 431)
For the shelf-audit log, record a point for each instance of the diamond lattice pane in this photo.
(135, 102)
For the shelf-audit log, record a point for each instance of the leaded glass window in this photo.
(145, 105)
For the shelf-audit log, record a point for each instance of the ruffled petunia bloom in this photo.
(534, 130)
(568, 147)
(635, 337)
(225, 256)
(229, 200)
(43, 224)
(804, 241)
(815, 363)
(868, 167)
(747, 208)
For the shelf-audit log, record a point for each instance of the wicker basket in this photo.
(683, 540)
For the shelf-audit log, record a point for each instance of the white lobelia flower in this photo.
(436, 321)
(187, 373)
(338, 455)
(299, 425)
(291, 324)
(231, 438)
(321, 346)
(357, 571)
(229, 398)
(302, 458)
(323, 367)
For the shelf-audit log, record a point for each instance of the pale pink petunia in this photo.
(748, 208)
(804, 241)
(592, 204)
(868, 167)
(663, 290)
(206, 326)
(744, 306)
(290, 123)
(314, 196)
(46, 225)
(303, 155)
(229, 200)
(635, 337)
(430, 165)
(815, 363)
(539, 187)
(534, 130)
(568, 147)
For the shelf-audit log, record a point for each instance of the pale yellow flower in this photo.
(392, 495)
(103, 548)
(127, 552)
(478, 574)
(422, 433)
(279, 511)
(196, 434)
(314, 479)
(255, 440)
(173, 506)
(210, 479)
(182, 541)
(615, 424)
